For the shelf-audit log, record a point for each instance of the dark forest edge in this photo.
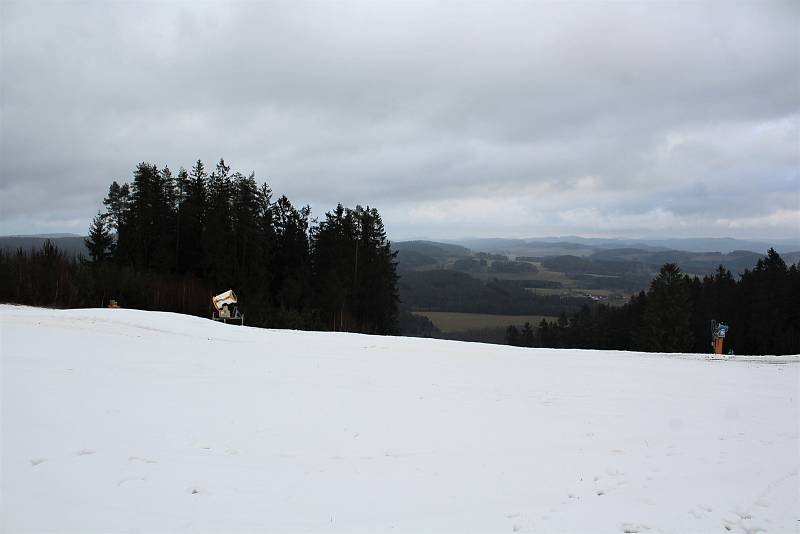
(762, 309)
(762, 306)
(168, 242)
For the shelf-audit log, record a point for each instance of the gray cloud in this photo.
(453, 119)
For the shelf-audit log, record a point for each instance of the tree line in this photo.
(762, 308)
(169, 241)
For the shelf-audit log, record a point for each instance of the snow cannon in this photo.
(226, 308)
(718, 331)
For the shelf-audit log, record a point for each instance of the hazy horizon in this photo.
(548, 238)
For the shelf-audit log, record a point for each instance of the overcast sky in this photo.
(453, 119)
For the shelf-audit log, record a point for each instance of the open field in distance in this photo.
(611, 294)
(458, 322)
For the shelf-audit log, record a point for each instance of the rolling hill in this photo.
(72, 245)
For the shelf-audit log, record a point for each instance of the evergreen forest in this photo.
(169, 242)
(761, 307)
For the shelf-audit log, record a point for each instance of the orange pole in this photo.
(718, 345)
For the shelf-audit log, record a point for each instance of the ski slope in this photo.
(132, 421)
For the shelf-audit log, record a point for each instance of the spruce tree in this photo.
(333, 249)
(290, 261)
(245, 207)
(192, 220)
(667, 314)
(117, 204)
(526, 335)
(100, 240)
(218, 248)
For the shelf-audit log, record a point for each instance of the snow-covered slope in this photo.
(130, 421)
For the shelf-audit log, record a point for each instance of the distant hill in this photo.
(71, 244)
(791, 257)
(46, 236)
(419, 254)
(432, 248)
(722, 245)
(699, 263)
(453, 291)
(495, 245)
(521, 247)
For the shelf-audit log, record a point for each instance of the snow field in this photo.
(131, 421)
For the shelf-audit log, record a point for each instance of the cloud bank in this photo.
(453, 119)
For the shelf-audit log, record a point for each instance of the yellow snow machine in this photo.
(226, 308)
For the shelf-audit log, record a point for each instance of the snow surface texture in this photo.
(131, 421)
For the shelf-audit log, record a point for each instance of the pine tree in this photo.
(667, 314)
(290, 261)
(181, 193)
(100, 240)
(375, 279)
(117, 204)
(265, 236)
(193, 214)
(245, 207)
(333, 255)
(543, 337)
(765, 296)
(218, 250)
(512, 336)
(526, 335)
(165, 214)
